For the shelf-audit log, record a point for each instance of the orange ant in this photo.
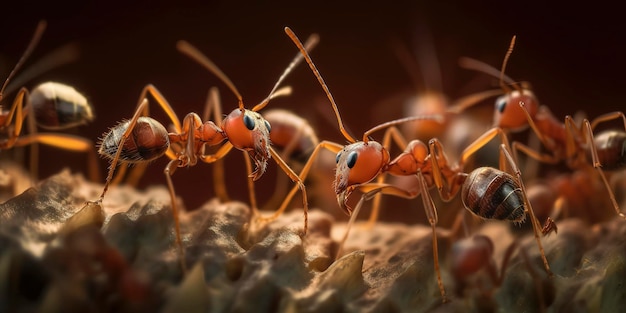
(142, 139)
(566, 142)
(472, 259)
(50, 105)
(487, 192)
(430, 99)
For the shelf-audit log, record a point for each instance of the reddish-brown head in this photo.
(508, 112)
(359, 163)
(248, 131)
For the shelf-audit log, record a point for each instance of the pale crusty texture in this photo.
(59, 255)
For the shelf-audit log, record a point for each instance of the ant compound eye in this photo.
(337, 157)
(248, 121)
(501, 104)
(268, 126)
(352, 159)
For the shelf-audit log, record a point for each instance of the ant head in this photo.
(249, 131)
(513, 109)
(469, 255)
(359, 163)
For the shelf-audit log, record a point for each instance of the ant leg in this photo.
(137, 171)
(299, 183)
(331, 146)
(125, 135)
(220, 153)
(162, 102)
(398, 138)
(532, 153)
(169, 171)
(598, 166)
(17, 112)
(431, 214)
(281, 181)
(214, 104)
(369, 190)
(439, 160)
(372, 189)
(67, 142)
(542, 137)
(608, 117)
(506, 156)
(481, 142)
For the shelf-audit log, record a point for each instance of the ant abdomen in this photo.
(611, 147)
(148, 140)
(59, 106)
(493, 194)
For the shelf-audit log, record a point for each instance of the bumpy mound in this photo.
(59, 255)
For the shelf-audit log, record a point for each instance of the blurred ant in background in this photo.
(50, 105)
(458, 130)
(566, 142)
(142, 138)
(295, 138)
(478, 277)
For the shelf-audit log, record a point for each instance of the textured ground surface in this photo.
(57, 255)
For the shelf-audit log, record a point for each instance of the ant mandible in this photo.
(566, 142)
(50, 105)
(142, 139)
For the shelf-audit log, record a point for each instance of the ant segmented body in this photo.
(142, 138)
(487, 192)
(50, 105)
(575, 145)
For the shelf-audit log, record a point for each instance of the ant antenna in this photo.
(186, 48)
(504, 63)
(437, 117)
(296, 41)
(41, 27)
(310, 43)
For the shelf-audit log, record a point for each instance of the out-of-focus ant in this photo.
(423, 67)
(565, 142)
(50, 105)
(142, 138)
(475, 271)
(457, 129)
(294, 138)
(487, 192)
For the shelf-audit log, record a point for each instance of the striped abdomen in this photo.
(493, 194)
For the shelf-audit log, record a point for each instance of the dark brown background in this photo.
(575, 60)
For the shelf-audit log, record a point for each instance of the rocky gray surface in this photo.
(59, 255)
